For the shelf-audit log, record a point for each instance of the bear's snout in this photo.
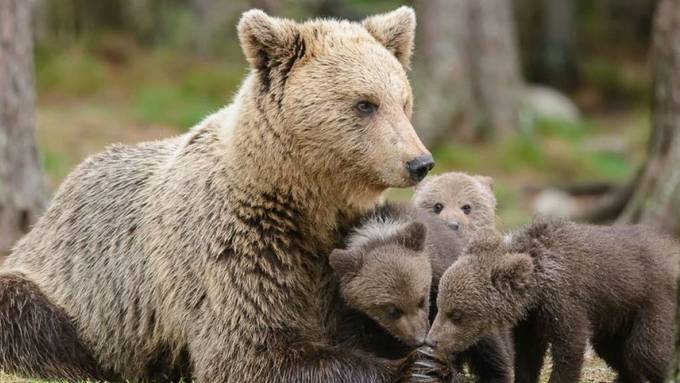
(419, 167)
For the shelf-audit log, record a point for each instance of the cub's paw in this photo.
(425, 367)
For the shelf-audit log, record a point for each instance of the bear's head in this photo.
(465, 202)
(336, 94)
(389, 281)
(485, 289)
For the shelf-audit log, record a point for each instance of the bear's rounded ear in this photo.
(396, 31)
(485, 242)
(413, 236)
(264, 38)
(486, 181)
(344, 262)
(512, 273)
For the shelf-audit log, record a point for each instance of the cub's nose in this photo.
(419, 166)
(454, 225)
(420, 341)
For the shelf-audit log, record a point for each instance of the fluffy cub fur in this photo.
(385, 275)
(465, 202)
(561, 284)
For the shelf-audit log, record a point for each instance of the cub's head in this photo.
(465, 202)
(335, 93)
(389, 281)
(483, 290)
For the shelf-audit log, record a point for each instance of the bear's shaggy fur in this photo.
(26, 314)
(385, 273)
(207, 254)
(465, 202)
(561, 284)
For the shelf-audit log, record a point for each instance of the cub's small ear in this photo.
(486, 241)
(413, 236)
(344, 262)
(512, 273)
(395, 31)
(486, 181)
(264, 38)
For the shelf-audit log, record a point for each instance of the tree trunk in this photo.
(656, 196)
(22, 186)
(467, 72)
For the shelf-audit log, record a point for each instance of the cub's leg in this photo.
(37, 338)
(490, 360)
(568, 345)
(648, 349)
(530, 348)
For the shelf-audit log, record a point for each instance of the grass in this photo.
(594, 371)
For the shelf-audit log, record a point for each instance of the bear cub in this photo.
(561, 284)
(386, 272)
(464, 202)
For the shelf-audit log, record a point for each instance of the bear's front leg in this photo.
(275, 358)
(568, 346)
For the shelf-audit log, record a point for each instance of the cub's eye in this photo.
(421, 303)
(437, 208)
(466, 209)
(455, 317)
(394, 312)
(366, 108)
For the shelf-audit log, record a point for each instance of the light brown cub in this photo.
(465, 202)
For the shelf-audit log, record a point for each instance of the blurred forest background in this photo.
(553, 98)
(573, 106)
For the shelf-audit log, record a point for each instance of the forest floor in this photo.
(594, 371)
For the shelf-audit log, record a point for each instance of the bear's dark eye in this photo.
(394, 312)
(437, 208)
(366, 108)
(466, 209)
(421, 303)
(455, 317)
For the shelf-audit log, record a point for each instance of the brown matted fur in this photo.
(206, 254)
(388, 273)
(561, 284)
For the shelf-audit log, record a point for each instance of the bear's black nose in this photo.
(454, 225)
(419, 166)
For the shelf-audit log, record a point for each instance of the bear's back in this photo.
(607, 268)
(85, 252)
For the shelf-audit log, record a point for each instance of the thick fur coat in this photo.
(390, 268)
(206, 254)
(562, 284)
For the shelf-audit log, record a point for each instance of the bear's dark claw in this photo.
(421, 378)
(424, 364)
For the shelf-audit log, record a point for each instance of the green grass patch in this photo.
(70, 73)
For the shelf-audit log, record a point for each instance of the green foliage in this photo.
(615, 81)
(72, 72)
(169, 105)
(55, 163)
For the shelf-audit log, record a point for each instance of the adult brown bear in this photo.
(208, 251)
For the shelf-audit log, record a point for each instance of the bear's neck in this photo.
(264, 164)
